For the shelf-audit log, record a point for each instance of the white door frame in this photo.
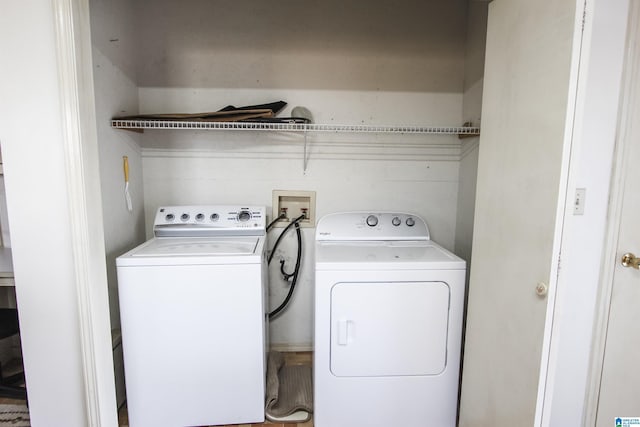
(579, 56)
(75, 73)
(592, 115)
(610, 258)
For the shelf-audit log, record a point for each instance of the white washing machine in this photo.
(388, 323)
(193, 314)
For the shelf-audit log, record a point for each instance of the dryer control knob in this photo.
(411, 222)
(372, 220)
(184, 217)
(396, 221)
(199, 217)
(214, 217)
(169, 217)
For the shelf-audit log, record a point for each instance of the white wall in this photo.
(382, 45)
(475, 44)
(466, 203)
(116, 94)
(9, 347)
(4, 220)
(471, 113)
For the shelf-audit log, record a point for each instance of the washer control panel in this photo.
(209, 220)
(345, 226)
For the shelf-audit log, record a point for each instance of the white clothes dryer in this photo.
(388, 323)
(193, 318)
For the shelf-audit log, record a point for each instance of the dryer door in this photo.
(389, 328)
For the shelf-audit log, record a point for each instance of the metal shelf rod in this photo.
(291, 127)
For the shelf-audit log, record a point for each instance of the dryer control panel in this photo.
(209, 220)
(359, 226)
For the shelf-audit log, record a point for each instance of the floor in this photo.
(9, 368)
(291, 358)
(7, 401)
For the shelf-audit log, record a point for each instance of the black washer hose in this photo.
(296, 270)
(272, 223)
(294, 222)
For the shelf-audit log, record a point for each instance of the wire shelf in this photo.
(291, 127)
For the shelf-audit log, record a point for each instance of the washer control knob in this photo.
(169, 217)
(396, 221)
(214, 217)
(372, 220)
(244, 216)
(184, 217)
(410, 222)
(199, 217)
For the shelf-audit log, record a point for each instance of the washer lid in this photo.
(199, 246)
(384, 255)
(195, 250)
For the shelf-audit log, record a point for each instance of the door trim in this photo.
(575, 91)
(629, 94)
(75, 81)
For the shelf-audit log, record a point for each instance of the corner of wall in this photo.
(472, 113)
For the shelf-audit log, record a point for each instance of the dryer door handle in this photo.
(345, 331)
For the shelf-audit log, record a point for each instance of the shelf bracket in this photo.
(304, 154)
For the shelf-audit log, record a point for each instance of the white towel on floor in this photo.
(289, 388)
